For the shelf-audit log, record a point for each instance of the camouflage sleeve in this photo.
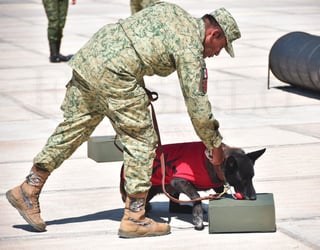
(191, 73)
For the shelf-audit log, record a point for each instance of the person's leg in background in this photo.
(63, 12)
(56, 11)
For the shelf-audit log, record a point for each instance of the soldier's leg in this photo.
(147, 3)
(56, 11)
(81, 117)
(62, 16)
(80, 121)
(133, 124)
(135, 6)
(52, 7)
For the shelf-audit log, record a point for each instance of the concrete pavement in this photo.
(80, 201)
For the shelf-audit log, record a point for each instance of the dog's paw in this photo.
(197, 217)
(198, 223)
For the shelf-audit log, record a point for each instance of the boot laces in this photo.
(31, 200)
(136, 204)
(145, 223)
(33, 179)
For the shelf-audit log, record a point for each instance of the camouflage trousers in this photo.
(84, 107)
(137, 5)
(56, 11)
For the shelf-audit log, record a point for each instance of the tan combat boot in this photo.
(25, 198)
(135, 224)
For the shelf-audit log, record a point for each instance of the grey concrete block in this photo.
(228, 215)
(102, 149)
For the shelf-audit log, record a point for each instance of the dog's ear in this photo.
(256, 154)
(231, 165)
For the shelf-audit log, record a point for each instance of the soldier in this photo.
(56, 11)
(137, 5)
(108, 81)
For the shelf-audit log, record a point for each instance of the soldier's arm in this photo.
(191, 72)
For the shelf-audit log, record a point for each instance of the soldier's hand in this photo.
(217, 161)
(217, 156)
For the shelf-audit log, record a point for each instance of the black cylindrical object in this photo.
(295, 59)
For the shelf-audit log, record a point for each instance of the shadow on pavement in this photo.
(158, 213)
(300, 91)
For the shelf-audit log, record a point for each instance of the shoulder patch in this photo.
(204, 80)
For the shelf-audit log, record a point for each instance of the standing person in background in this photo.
(56, 11)
(137, 5)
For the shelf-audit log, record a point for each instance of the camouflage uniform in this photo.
(108, 81)
(56, 11)
(137, 5)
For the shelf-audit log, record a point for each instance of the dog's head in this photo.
(239, 171)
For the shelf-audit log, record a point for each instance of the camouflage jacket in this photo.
(157, 40)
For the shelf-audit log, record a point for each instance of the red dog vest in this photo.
(184, 160)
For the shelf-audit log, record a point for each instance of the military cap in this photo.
(229, 27)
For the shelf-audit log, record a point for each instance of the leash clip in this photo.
(153, 96)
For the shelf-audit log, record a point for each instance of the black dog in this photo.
(188, 171)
